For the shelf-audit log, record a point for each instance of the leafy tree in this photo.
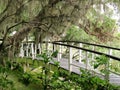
(76, 34)
(51, 19)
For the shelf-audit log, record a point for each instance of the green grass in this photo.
(14, 75)
(18, 85)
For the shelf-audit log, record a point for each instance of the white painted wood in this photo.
(58, 55)
(27, 49)
(21, 51)
(32, 49)
(93, 55)
(35, 51)
(93, 58)
(39, 47)
(60, 51)
(107, 76)
(80, 53)
(70, 59)
(86, 58)
(110, 51)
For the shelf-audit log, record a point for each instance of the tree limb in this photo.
(7, 6)
(7, 31)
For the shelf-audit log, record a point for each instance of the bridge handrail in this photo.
(78, 42)
(91, 44)
(92, 51)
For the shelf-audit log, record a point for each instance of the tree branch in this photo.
(17, 12)
(7, 6)
(7, 31)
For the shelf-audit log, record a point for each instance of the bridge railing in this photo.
(86, 51)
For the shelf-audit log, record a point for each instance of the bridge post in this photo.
(60, 50)
(35, 51)
(107, 66)
(27, 49)
(110, 52)
(70, 59)
(80, 53)
(86, 60)
(21, 51)
(59, 55)
(39, 48)
(32, 49)
(93, 55)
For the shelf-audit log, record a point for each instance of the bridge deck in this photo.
(113, 78)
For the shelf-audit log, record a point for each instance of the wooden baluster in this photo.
(86, 59)
(60, 51)
(107, 66)
(80, 53)
(27, 49)
(21, 51)
(59, 48)
(39, 48)
(32, 49)
(58, 55)
(35, 53)
(93, 55)
(93, 58)
(70, 59)
(110, 52)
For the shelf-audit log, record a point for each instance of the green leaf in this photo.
(96, 66)
(54, 54)
(57, 63)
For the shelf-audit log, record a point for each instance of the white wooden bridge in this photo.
(75, 55)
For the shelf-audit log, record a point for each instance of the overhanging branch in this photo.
(7, 31)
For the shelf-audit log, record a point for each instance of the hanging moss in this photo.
(53, 17)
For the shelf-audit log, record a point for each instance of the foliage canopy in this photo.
(52, 18)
